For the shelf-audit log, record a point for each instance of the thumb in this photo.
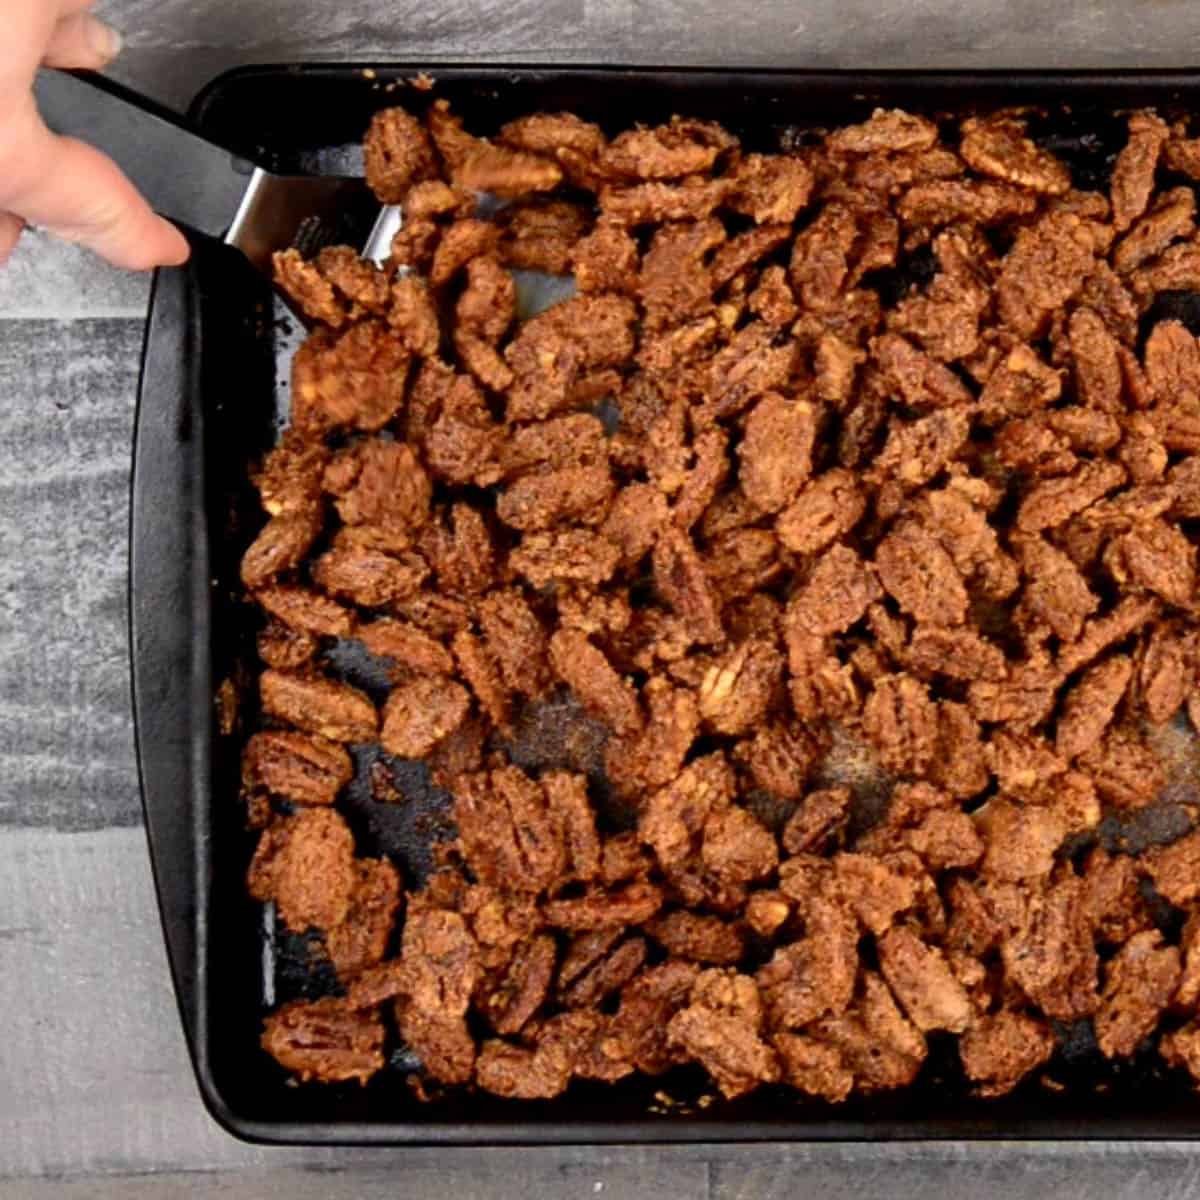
(81, 41)
(76, 192)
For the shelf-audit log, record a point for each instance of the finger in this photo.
(82, 42)
(81, 195)
(28, 26)
(10, 234)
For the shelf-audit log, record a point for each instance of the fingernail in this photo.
(105, 40)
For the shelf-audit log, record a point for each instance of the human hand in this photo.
(58, 183)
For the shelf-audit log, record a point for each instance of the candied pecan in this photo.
(1175, 869)
(1189, 981)
(478, 668)
(1001, 1048)
(1052, 501)
(703, 479)
(675, 283)
(1172, 217)
(886, 129)
(680, 581)
(406, 645)
(874, 1040)
(835, 595)
(303, 769)
(1020, 384)
(819, 820)
(673, 818)
(923, 983)
(681, 147)
(944, 201)
(325, 1040)
(1138, 983)
(510, 835)
(653, 757)
(1177, 268)
(813, 1067)
(547, 133)
(389, 496)
(998, 146)
(1166, 672)
(1099, 633)
(741, 687)
(356, 947)
(487, 305)
(464, 241)
(635, 518)
(723, 1032)
(463, 557)
(633, 904)
(1089, 706)
(305, 610)
(539, 235)
(568, 494)
(397, 153)
(421, 712)
(820, 262)
(814, 976)
(519, 993)
(1050, 954)
(563, 556)
(824, 510)
(365, 575)
(305, 864)
(915, 569)
(497, 169)
(749, 366)
(606, 260)
(779, 759)
(1133, 172)
(769, 188)
(916, 451)
(607, 973)
(776, 450)
(1155, 556)
(901, 721)
(516, 640)
(1098, 378)
(321, 706)
(874, 889)
(284, 648)
(736, 847)
(350, 380)
(1045, 267)
(956, 653)
(697, 938)
(587, 672)
(958, 765)
(923, 382)
(1115, 905)
(743, 251)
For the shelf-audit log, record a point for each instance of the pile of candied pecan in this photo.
(851, 498)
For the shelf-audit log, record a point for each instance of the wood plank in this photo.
(49, 278)
(173, 46)
(66, 423)
(1123, 1171)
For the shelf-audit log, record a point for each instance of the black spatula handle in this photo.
(184, 176)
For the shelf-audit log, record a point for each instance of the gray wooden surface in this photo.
(96, 1098)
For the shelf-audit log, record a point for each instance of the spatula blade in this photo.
(302, 211)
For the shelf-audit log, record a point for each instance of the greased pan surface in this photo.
(214, 386)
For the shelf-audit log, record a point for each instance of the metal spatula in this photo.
(204, 187)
